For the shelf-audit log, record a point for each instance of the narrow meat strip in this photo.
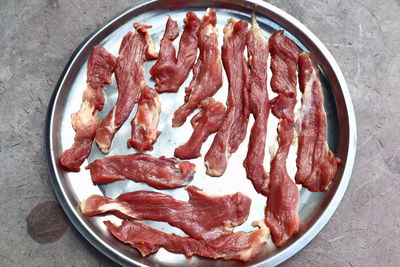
(144, 125)
(207, 72)
(316, 164)
(233, 129)
(284, 56)
(281, 214)
(160, 173)
(101, 65)
(193, 217)
(170, 71)
(240, 246)
(135, 49)
(257, 48)
(204, 123)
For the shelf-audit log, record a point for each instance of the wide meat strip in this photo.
(193, 217)
(235, 246)
(136, 48)
(204, 123)
(160, 173)
(101, 65)
(207, 72)
(281, 214)
(316, 164)
(233, 129)
(144, 125)
(170, 71)
(257, 49)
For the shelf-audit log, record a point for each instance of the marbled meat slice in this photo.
(233, 129)
(204, 123)
(160, 173)
(101, 65)
(257, 49)
(207, 72)
(170, 71)
(316, 164)
(235, 246)
(192, 217)
(281, 211)
(144, 125)
(135, 49)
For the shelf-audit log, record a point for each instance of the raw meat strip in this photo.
(281, 211)
(144, 126)
(160, 173)
(284, 55)
(193, 217)
(233, 129)
(170, 71)
(316, 164)
(204, 123)
(135, 49)
(236, 246)
(257, 48)
(207, 72)
(101, 65)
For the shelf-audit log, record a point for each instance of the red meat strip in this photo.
(233, 129)
(160, 173)
(207, 72)
(284, 55)
(281, 212)
(236, 246)
(257, 48)
(101, 65)
(204, 123)
(171, 71)
(193, 217)
(135, 49)
(144, 126)
(316, 164)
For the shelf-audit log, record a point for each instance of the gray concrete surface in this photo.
(38, 37)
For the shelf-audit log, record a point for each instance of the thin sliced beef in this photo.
(281, 212)
(316, 164)
(207, 72)
(257, 49)
(144, 125)
(101, 65)
(160, 173)
(284, 55)
(193, 217)
(236, 246)
(283, 198)
(170, 71)
(135, 49)
(233, 129)
(204, 123)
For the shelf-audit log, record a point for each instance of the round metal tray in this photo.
(315, 209)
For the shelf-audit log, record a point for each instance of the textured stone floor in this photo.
(38, 37)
